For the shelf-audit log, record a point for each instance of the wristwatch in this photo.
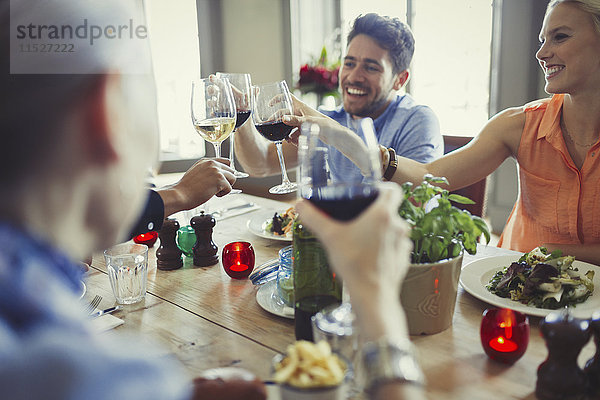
(392, 166)
(387, 361)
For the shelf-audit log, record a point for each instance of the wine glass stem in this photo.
(231, 154)
(217, 147)
(284, 177)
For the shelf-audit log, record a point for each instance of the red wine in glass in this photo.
(241, 117)
(343, 202)
(274, 131)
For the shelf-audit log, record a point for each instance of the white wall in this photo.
(253, 38)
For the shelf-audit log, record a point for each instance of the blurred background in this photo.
(472, 59)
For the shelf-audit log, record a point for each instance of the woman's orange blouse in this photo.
(557, 202)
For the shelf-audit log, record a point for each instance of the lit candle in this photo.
(238, 259)
(148, 238)
(504, 334)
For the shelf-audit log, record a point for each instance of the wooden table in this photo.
(207, 320)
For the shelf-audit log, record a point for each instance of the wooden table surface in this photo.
(207, 320)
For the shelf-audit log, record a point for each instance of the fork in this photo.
(93, 304)
(219, 213)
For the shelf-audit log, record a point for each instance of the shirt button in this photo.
(151, 224)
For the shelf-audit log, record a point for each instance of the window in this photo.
(173, 33)
(451, 66)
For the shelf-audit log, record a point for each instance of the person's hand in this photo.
(206, 178)
(371, 254)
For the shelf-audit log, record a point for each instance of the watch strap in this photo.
(392, 166)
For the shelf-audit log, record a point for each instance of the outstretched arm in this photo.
(498, 140)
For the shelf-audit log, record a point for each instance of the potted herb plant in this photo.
(440, 232)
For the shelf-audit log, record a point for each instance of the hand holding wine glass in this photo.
(272, 102)
(241, 87)
(213, 110)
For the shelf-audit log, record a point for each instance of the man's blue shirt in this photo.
(411, 129)
(47, 349)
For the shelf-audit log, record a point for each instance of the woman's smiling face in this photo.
(570, 50)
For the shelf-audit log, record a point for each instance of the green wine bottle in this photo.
(315, 285)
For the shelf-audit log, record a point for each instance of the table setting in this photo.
(223, 271)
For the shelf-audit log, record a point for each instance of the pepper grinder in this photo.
(205, 250)
(168, 255)
(559, 377)
(592, 367)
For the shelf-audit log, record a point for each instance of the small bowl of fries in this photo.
(311, 371)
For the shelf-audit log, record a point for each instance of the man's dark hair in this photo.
(390, 34)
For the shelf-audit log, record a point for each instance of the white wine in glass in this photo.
(213, 111)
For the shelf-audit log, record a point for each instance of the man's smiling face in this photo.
(367, 78)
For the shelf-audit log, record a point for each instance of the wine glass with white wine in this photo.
(213, 111)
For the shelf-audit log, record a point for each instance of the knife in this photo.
(221, 212)
(109, 310)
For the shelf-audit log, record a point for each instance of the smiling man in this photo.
(374, 70)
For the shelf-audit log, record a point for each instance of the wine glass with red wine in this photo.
(240, 86)
(339, 174)
(272, 102)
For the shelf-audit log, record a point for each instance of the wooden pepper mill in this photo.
(168, 255)
(205, 250)
(559, 377)
(592, 367)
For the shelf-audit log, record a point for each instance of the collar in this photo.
(379, 121)
(550, 123)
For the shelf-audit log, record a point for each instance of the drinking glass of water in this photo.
(127, 266)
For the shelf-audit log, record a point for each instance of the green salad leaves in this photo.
(543, 280)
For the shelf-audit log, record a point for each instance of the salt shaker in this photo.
(205, 250)
(592, 367)
(559, 377)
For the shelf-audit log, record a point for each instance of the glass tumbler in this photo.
(127, 266)
(285, 277)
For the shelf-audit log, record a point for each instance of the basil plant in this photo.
(439, 229)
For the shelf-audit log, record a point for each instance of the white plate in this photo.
(477, 274)
(83, 289)
(257, 222)
(268, 298)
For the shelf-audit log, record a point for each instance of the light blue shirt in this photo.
(47, 350)
(411, 129)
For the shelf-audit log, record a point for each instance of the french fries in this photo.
(309, 365)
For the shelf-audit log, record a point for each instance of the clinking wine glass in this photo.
(213, 111)
(340, 175)
(241, 87)
(272, 102)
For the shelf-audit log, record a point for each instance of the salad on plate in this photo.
(543, 280)
(281, 224)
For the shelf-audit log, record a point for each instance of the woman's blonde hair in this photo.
(591, 7)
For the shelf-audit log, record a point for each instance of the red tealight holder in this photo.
(504, 334)
(238, 259)
(148, 238)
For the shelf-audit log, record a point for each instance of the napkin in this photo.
(106, 322)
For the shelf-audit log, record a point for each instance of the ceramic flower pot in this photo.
(429, 295)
